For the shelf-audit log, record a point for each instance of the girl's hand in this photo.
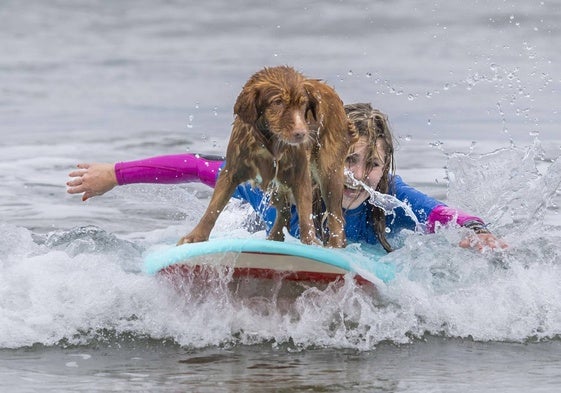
(482, 241)
(92, 179)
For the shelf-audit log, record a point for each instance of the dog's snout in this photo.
(299, 121)
(298, 136)
(300, 129)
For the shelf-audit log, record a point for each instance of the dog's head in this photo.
(277, 102)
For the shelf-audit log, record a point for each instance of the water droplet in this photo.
(350, 72)
(436, 143)
(369, 75)
(408, 138)
(410, 97)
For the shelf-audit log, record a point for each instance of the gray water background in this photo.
(472, 92)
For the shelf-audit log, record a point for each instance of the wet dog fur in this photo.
(288, 131)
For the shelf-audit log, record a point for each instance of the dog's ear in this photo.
(246, 105)
(313, 98)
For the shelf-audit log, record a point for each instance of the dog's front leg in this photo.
(225, 186)
(332, 195)
(302, 191)
(281, 202)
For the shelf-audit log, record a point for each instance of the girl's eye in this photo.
(374, 163)
(352, 159)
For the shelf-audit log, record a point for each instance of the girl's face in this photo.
(353, 196)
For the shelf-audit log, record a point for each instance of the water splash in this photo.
(504, 186)
(77, 287)
(388, 203)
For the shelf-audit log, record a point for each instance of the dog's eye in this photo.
(277, 102)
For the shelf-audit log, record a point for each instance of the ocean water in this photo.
(472, 92)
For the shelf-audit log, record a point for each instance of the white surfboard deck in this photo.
(265, 259)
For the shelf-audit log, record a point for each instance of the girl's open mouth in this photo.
(353, 187)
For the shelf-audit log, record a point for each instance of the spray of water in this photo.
(388, 203)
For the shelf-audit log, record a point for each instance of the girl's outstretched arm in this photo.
(481, 237)
(98, 178)
(433, 213)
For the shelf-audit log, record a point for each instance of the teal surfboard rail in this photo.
(348, 260)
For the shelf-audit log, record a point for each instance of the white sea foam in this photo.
(84, 284)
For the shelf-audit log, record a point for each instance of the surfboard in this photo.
(260, 258)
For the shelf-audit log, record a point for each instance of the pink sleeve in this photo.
(443, 215)
(172, 169)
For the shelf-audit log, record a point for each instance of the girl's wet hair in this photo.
(373, 124)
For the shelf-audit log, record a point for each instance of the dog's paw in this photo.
(311, 240)
(192, 238)
(337, 242)
(276, 236)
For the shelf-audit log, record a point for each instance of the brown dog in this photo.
(287, 127)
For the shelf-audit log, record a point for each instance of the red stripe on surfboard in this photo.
(186, 270)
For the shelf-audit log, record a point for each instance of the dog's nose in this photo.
(299, 135)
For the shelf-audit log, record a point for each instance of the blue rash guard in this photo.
(185, 168)
(358, 227)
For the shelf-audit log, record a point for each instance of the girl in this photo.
(370, 162)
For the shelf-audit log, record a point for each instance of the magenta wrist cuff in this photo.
(444, 215)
